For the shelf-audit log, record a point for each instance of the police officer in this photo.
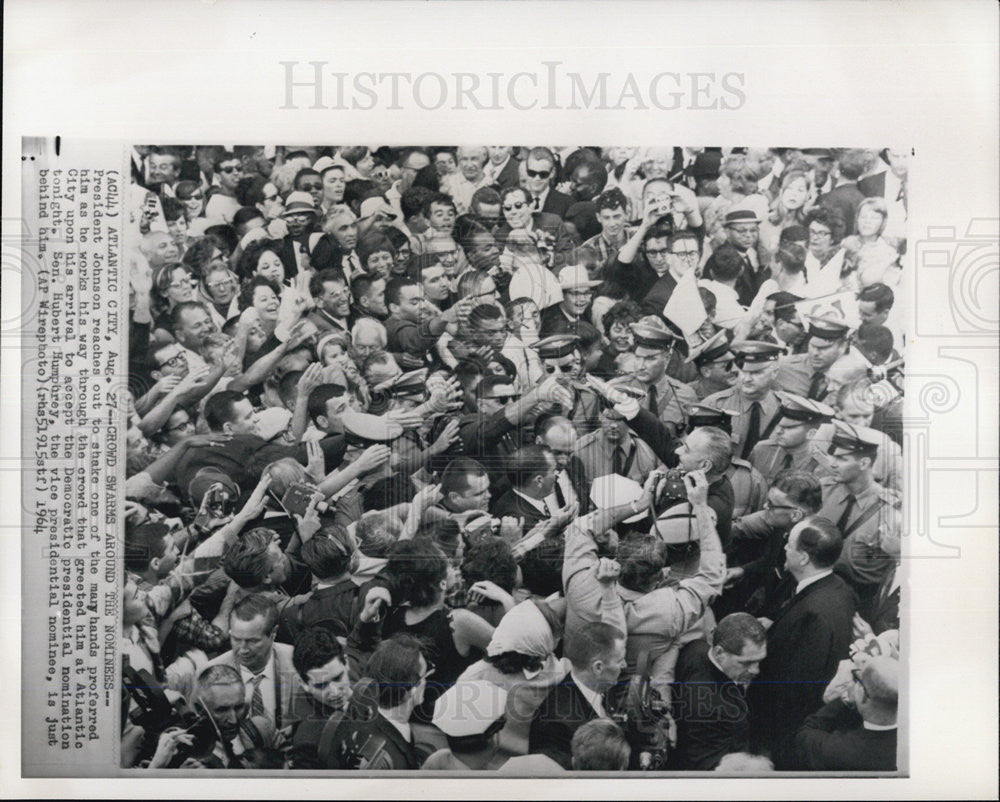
(806, 374)
(752, 397)
(666, 397)
(562, 357)
(715, 363)
(789, 446)
(866, 513)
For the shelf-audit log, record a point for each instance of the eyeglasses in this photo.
(220, 285)
(815, 233)
(175, 361)
(232, 168)
(184, 282)
(685, 254)
(516, 205)
(187, 424)
(539, 173)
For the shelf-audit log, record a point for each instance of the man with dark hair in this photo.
(845, 197)
(710, 692)
(164, 171)
(379, 737)
(806, 374)
(875, 302)
(597, 656)
(368, 293)
(611, 212)
(789, 446)
(333, 301)
(682, 255)
(321, 666)
(788, 329)
(809, 636)
(229, 169)
(412, 326)
(531, 471)
(230, 412)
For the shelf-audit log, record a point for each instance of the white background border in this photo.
(920, 74)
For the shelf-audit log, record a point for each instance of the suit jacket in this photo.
(556, 203)
(553, 321)
(873, 186)
(325, 606)
(834, 739)
(510, 503)
(809, 637)
(286, 681)
(369, 742)
(845, 200)
(510, 174)
(658, 295)
(562, 712)
(711, 711)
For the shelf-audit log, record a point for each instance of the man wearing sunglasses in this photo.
(538, 171)
(562, 358)
(228, 170)
(716, 365)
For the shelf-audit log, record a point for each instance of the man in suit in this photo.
(300, 216)
(858, 732)
(503, 169)
(810, 635)
(710, 691)
(531, 471)
(379, 736)
(558, 436)
(577, 294)
(220, 693)
(537, 173)
(333, 302)
(265, 667)
(846, 195)
(743, 233)
(682, 256)
(597, 656)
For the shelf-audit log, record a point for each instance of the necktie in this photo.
(560, 496)
(545, 506)
(536, 203)
(845, 516)
(786, 463)
(653, 406)
(817, 387)
(753, 430)
(617, 465)
(257, 700)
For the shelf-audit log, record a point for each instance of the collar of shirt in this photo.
(807, 582)
(538, 505)
(340, 323)
(402, 726)
(499, 168)
(878, 727)
(593, 697)
(542, 196)
(267, 673)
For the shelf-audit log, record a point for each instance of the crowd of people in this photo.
(523, 459)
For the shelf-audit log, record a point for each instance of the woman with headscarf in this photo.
(521, 659)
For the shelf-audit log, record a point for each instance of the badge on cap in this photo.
(827, 328)
(855, 439)
(799, 408)
(556, 346)
(755, 352)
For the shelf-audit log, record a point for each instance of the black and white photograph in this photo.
(656, 444)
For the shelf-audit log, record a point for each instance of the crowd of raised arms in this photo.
(530, 460)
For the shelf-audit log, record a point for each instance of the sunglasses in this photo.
(518, 205)
(232, 168)
(570, 368)
(311, 187)
(539, 173)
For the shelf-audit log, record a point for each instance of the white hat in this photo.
(469, 708)
(574, 276)
(372, 206)
(613, 490)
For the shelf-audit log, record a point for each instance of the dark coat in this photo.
(710, 710)
(811, 634)
(556, 203)
(562, 712)
(834, 739)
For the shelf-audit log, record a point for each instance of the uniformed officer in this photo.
(752, 398)
(715, 363)
(668, 398)
(749, 486)
(807, 374)
(362, 430)
(562, 357)
(866, 513)
(615, 448)
(789, 446)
